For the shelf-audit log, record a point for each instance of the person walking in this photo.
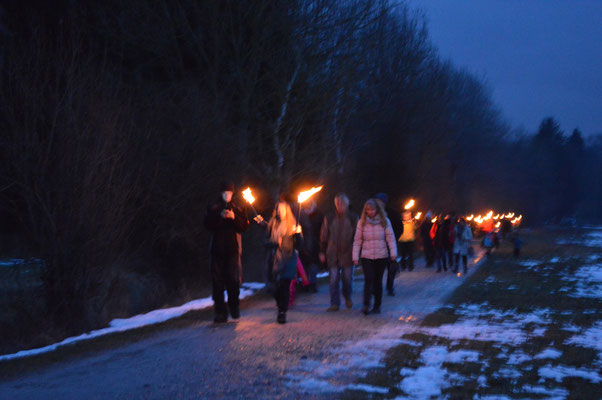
(311, 224)
(440, 242)
(397, 226)
(226, 222)
(463, 237)
(336, 247)
(427, 240)
(284, 240)
(375, 245)
(406, 243)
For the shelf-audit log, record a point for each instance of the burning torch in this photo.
(303, 196)
(248, 196)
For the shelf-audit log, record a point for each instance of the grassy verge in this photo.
(507, 331)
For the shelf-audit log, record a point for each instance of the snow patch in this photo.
(591, 337)
(554, 392)
(126, 324)
(559, 372)
(548, 353)
(529, 263)
(587, 281)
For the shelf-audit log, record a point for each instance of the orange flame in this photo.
(409, 204)
(498, 224)
(303, 196)
(418, 215)
(248, 195)
(434, 220)
(470, 217)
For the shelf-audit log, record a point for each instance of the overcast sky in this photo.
(541, 57)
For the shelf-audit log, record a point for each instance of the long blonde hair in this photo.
(380, 212)
(280, 227)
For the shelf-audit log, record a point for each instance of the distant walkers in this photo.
(336, 246)
(226, 221)
(440, 242)
(427, 239)
(376, 246)
(407, 241)
(463, 238)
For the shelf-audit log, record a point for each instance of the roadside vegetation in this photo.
(518, 328)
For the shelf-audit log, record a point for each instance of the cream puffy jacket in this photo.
(372, 241)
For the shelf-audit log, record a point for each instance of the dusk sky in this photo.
(541, 57)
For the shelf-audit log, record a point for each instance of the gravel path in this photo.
(252, 358)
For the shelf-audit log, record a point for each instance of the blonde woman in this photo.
(374, 244)
(283, 237)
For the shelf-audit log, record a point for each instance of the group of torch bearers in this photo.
(299, 239)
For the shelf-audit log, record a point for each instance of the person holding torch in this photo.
(226, 222)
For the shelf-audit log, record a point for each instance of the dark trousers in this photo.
(282, 294)
(373, 280)
(391, 272)
(407, 255)
(441, 256)
(464, 261)
(429, 253)
(224, 276)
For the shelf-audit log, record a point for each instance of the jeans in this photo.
(441, 257)
(464, 261)
(312, 273)
(336, 276)
(373, 280)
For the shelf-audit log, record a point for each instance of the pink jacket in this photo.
(372, 241)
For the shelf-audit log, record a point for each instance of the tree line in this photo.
(119, 120)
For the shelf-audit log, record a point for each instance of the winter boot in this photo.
(348, 303)
(281, 317)
(220, 318)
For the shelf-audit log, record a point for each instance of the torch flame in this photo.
(498, 224)
(410, 204)
(489, 215)
(470, 217)
(248, 196)
(497, 216)
(308, 193)
(434, 220)
(418, 215)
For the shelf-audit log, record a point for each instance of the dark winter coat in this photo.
(311, 225)
(425, 233)
(224, 232)
(396, 222)
(336, 238)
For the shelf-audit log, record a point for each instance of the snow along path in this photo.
(314, 354)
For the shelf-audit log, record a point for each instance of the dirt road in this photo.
(314, 354)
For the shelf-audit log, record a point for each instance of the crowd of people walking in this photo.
(301, 242)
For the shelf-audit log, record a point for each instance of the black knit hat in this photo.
(227, 187)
